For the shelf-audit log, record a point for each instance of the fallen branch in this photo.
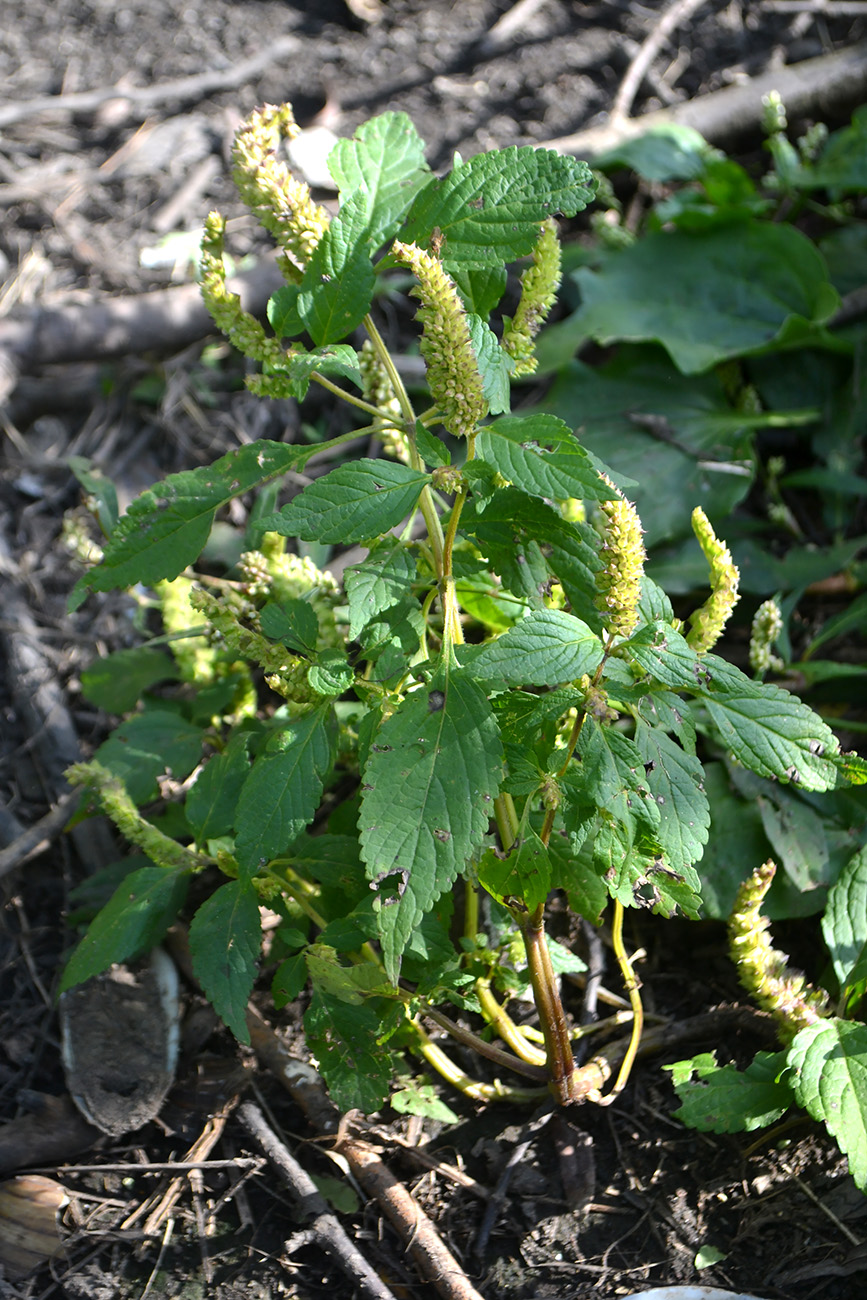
(814, 88)
(164, 320)
(36, 838)
(671, 18)
(421, 1238)
(144, 98)
(325, 1228)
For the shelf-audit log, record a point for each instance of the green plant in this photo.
(497, 702)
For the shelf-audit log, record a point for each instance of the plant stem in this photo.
(558, 1047)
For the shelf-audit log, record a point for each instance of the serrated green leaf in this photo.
(768, 730)
(844, 924)
(283, 312)
(353, 503)
(541, 455)
(292, 378)
(225, 938)
(384, 162)
(331, 674)
(350, 983)
(422, 1099)
(292, 622)
(546, 648)
(133, 921)
(354, 1064)
(211, 802)
(829, 1059)
(610, 774)
(707, 296)
(282, 791)
(494, 365)
(100, 490)
(289, 980)
(429, 784)
(665, 656)
(432, 449)
(489, 208)
(338, 284)
(675, 780)
(669, 712)
(146, 747)
(525, 873)
(378, 583)
(723, 1099)
(481, 288)
(116, 682)
(166, 527)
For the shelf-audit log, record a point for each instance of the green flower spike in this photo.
(244, 331)
(117, 804)
(285, 673)
(767, 626)
(709, 621)
(452, 369)
(280, 202)
(377, 389)
(618, 583)
(762, 969)
(539, 285)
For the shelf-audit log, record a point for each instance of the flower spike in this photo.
(452, 369)
(618, 583)
(539, 285)
(709, 621)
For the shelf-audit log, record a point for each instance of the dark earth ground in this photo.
(82, 197)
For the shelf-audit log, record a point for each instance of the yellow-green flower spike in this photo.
(376, 388)
(243, 330)
(767, 626)
(117, 804)
(762, 969)
(452, 369)
(618, 583)
(708, 622)
(280, 202)
(539, 285)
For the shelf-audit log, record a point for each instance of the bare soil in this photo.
(86, 197)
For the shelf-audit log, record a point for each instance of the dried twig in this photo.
(671, 18)
(325, 1227)
(36, 838)
(816, 87)
(507, 29)
(143, 98)
(424, 1243)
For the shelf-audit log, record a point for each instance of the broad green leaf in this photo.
(283, 312)
(429, 785)
(708, 297)
(829, 1059)
(636, 874)
(337, 288)
(844, 925)
(842, 164)
(676, 781)
(225, 938)
(575, 871)
(610, 774)
(378, 583)
(331, 674)
(211, 802)
(166, 527)
(422, 1099)
(665, 656)
(723, 1099)
(353, 503)
(101, 491)
(481, 288)
(116, 682)
(676, 436)
(133, 921)
(281, 793)
(768, 730)
(736, 843)
(667, 711)
(668, 152)
(345, 1041)
(493, 363)
(525, 873)
(292, 622)
(350, 983)
(541, 455)
(797, 834)
(290, 978)
(384, 165)
(292, 379)
(546, 648)
(488, 209)
(149, 745)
